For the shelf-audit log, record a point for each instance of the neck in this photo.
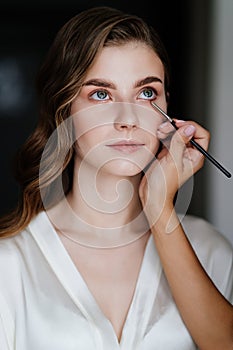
(104, 199)
(101, 211)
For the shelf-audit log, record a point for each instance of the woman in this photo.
(96, 256)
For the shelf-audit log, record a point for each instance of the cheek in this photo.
(154, 148)
(153, 142)
(87, 141)
(93, 122)
(91, 140)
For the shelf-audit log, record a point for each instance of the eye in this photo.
(148, 94)
(100, 95)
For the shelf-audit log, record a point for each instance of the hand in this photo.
(174, 165)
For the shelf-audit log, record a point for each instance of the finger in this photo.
(179, 141)
(201, 135)
(165, 130)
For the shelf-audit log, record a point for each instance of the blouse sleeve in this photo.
(3, 337)
(6, 326)
(214, 251)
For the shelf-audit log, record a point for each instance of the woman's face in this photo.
(114, 121)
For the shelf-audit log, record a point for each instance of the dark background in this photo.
(26, 32)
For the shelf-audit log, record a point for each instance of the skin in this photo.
(112, 79)
(123, 125)
(125, 121)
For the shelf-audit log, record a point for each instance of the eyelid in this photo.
(99, 90)
(149, 87)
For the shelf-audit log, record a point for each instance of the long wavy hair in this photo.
(59, 80)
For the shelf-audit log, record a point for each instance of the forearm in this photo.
(206, 313)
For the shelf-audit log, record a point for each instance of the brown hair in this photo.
(59, 80)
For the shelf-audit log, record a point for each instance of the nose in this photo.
(126, 117)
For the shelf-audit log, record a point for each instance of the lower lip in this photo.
(126, 148)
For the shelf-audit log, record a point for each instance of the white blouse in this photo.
(45, 303)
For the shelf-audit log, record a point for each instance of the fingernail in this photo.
(189, 130)
(164, 125)
(179, 121)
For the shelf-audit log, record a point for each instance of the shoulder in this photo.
(16, 253)
(19, 244)
(8, 251)
(213, 250)
(11, 249)
(10, 272)
(19, 258)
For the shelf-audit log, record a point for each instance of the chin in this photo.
(123, 168)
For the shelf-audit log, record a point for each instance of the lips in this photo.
(126, 146)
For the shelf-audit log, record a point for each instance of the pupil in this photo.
(148, 93)
(101, 94)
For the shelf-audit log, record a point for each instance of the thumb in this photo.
(179, 141)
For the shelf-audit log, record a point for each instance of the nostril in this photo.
(126, 126)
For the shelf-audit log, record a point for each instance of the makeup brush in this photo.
(194, 143)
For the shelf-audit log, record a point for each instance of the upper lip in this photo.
(127, 143)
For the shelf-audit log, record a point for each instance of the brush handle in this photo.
(206, 154)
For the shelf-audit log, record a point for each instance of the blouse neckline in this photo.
(63, 267)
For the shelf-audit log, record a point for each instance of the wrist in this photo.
(166, 221)
(158, 215)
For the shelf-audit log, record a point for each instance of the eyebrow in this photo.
(99, 82)
(108, 84)
(148, 80)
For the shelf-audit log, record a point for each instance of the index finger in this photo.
(201, 135)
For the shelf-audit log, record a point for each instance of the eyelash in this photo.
(155, 94)
(98, 91)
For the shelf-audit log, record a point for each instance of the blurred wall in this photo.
(209, 99)
(219, 204)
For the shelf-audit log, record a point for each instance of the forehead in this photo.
(129, 60)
